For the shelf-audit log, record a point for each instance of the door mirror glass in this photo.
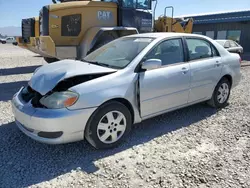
(151, 64)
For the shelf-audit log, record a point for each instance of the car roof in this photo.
(225, 40)
(165, 35)
(222, 40)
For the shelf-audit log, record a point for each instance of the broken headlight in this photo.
(58, 100)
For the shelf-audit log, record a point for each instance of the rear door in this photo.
(168, 86)
(205, 67)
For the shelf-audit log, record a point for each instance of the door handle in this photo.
(217, 63)
(184, 70)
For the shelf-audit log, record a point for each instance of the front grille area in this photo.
(28, 94)
(28, 29)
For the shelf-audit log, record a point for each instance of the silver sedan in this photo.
(122, 83)
(231, 46)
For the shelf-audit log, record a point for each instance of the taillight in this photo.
(240, 60)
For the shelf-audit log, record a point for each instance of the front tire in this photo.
(50, 60)
(221, 94)
(109, 125)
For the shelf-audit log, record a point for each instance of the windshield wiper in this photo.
(101, 64)
(91, 62)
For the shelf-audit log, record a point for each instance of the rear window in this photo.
(221, 42)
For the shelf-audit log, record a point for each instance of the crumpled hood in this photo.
(48, 76)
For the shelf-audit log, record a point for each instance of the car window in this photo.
(227, 44)
(143, 4)
(221, 42)
(215, 51)
(169, 52)
(232, 44)
(140, 4)
(236, 43)
(198, 49)
(129, 3)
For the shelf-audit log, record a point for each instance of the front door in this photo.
(205, 67)
(167, 87)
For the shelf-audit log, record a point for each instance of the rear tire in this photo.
(3, 42)
(108, 125)
(105, 38)
(221, 94)
(50, 60)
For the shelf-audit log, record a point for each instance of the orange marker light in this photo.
(70, 101)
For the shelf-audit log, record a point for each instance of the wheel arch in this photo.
(126, 103)
(228, 77)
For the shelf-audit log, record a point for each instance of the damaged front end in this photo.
(70, 82)
(50, 85)
(28, 94)
(60, 96)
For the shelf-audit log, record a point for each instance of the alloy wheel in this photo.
(111, 127)
(223, 93)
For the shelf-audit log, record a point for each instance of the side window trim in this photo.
(199, 38)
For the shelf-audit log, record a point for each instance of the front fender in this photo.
(96, 92)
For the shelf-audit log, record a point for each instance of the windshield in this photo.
(221, 42)
(119, 53)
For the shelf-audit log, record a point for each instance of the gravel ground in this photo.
(192, 147)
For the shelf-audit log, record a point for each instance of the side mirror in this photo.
(151, 64)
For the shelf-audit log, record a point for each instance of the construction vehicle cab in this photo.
(72, 29)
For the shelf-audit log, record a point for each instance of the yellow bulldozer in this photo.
(171, 24)
(30, 34)
(30, 31)
(70, 29)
